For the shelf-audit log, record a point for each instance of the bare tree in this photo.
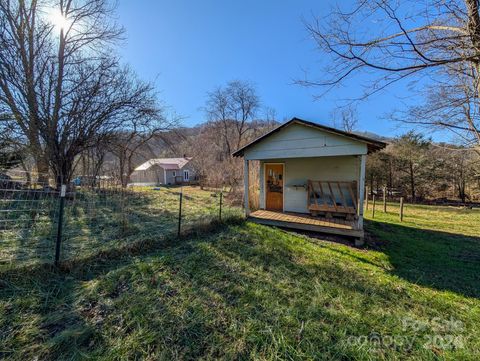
(59, 83)
(395, 40)
(10, 156)
(457, 169)
(130, 142)
(345, 118)
(208, 152)
(411, 157)
(231, 109)
(453, 105)
(91, 162)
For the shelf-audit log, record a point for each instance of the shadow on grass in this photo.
(188, 294)
(441, 260)
(48, 297)
(228, 290)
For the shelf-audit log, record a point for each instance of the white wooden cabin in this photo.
(312, 177)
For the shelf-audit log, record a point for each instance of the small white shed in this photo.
(312, 177)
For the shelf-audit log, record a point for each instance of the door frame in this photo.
(265, 183)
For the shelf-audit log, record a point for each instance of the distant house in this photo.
(164, 171)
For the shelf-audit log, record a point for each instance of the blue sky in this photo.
(190, 47)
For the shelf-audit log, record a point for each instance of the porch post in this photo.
(361, 190)
(245, 185)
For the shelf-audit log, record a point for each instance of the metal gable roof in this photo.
(165, 163)
(373, 144)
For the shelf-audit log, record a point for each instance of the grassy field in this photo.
(244, 291)
(97, 220)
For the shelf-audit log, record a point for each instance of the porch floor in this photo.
(307, 222)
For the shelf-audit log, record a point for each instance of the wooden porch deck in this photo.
(307, 223)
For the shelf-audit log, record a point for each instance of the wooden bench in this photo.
(332, 198)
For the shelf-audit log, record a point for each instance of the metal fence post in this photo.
(63, 191)
(180, 213)
(220, 210)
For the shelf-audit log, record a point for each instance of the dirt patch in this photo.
(323, 237)
(95, 312)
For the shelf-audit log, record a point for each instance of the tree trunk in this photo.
(372, 186)
(122, 160)
(41, 164)
(39, 157)
(63, 169)
(390, 176)
(412, 182)
(461, 191)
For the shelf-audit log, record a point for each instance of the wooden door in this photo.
(274, 187)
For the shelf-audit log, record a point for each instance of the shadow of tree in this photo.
(61, 318)
(205, 287)
(238, 291)
(46, 299)
(441, 260)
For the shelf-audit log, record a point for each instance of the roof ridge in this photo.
(377, 144)
(179, 161)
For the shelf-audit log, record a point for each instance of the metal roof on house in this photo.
(165, 163)
(373, 144)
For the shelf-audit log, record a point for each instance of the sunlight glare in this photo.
(58, 20)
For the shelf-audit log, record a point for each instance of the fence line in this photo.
(38, 224)
(400, 208)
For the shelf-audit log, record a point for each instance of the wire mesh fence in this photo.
(95, 217)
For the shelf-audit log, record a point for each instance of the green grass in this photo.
(98, 221)
(245, 291)
(434, 246)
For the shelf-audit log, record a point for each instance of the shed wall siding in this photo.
(170, 177)
(299, 170)
(179, 173)
(153, 175)
(297, 141)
